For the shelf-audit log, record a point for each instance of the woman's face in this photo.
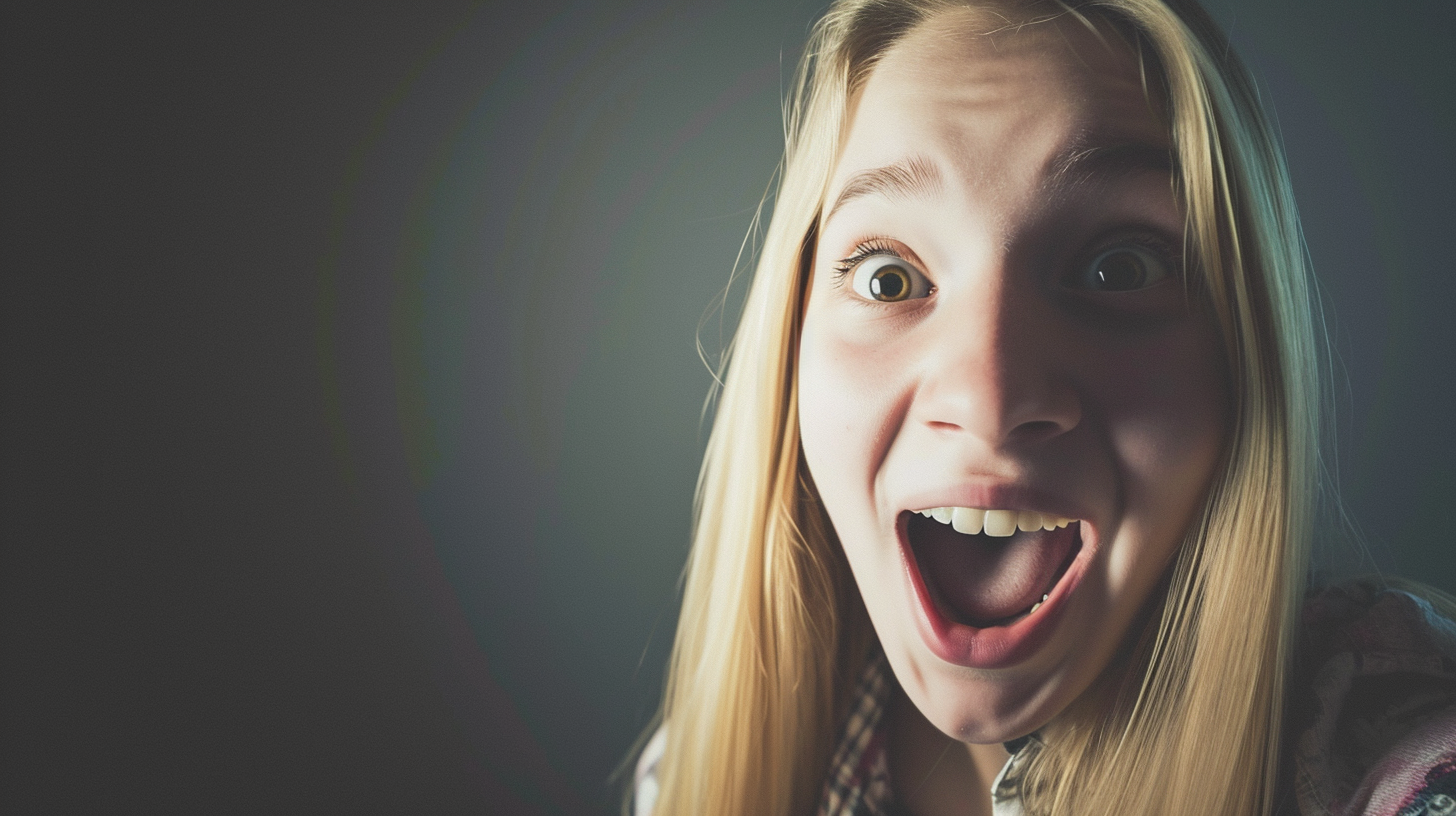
(997, 321)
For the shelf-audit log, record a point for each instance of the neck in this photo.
(934, 774)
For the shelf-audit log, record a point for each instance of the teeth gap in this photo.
(1036, 605)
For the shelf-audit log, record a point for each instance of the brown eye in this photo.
(890, 283)
(889, 279)
(1121, 269)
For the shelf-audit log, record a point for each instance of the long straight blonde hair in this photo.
(772, 630)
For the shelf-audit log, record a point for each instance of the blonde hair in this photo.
(772, 629)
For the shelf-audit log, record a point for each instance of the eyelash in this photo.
(1145, 238)
(863, 251)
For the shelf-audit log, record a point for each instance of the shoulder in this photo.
(1374, 705)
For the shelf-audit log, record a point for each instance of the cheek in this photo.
(1166, 408)
(846, 404)
(845, 395)
(825, 397)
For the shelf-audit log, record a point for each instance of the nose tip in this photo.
(1000, 380)
(1000, 418)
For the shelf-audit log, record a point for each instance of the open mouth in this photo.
(987, 569)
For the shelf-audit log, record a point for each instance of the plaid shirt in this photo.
(1376, 730)
(859, 774)
(1373, 735)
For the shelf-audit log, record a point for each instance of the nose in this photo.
(999, 368)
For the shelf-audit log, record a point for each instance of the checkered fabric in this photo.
(1373, 729)
(859, 774)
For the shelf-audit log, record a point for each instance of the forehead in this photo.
(986, 100)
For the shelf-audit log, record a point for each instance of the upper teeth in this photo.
(1000, 523)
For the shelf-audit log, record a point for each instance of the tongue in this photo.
(984, 579)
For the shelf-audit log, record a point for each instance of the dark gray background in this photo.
(351, 403)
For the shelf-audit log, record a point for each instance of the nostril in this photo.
(1036, 430)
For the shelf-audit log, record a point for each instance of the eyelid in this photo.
(1146, 236)
(868, 247)
(863, 251)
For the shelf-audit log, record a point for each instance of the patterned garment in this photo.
(859, 773)
(1375, 733)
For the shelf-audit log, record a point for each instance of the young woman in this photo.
(1008, 502)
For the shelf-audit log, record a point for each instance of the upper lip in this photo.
(996, 497)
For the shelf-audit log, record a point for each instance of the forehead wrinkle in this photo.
(1012, 81)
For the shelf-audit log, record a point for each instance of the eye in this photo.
(1123, 268)
(889, 279)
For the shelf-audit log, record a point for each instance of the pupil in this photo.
(889, 283)
(1120, 271)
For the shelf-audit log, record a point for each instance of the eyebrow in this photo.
(907, 178)
(1078, 163)
(1074, 164)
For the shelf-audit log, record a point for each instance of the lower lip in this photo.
(995, 647)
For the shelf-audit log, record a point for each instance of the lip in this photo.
(1001, 497)
(994, 647)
